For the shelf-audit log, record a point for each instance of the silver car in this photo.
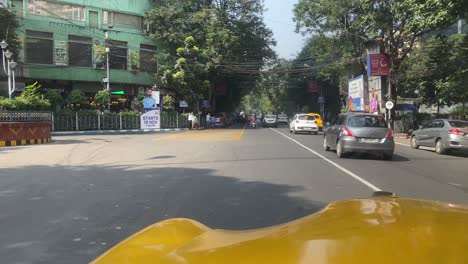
(359, 132)
(443, 134)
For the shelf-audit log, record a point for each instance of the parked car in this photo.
(318, 119)
(282, 119)
(359, 132)
(303, 123)
(269, 121)
(445, 135)
(219, 120)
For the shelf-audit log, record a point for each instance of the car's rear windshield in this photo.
(459, 124)
(282, 116)
(306, 117)
(270, 116)
(367, 121)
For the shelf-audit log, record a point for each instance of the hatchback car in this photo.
(443, 134)
(359, 132)
(303, 123)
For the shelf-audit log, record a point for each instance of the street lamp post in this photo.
(9, 68)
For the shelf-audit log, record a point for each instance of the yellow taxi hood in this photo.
(378, 230)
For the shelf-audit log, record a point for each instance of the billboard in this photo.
(378, 64)
(356, 98)
(312, 86)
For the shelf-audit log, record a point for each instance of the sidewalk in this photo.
(113, 132)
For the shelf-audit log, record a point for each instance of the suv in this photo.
(269, 121)
(283, 119)
(359, 132)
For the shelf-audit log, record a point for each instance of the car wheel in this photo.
(325, 145)
(339, 150)
(414, 143)
(439, 148)
(290, 130)
(294, 130)
(387, 156)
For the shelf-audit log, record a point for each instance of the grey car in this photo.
(359, 133)
(443, 134)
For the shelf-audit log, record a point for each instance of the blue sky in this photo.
(278, 18)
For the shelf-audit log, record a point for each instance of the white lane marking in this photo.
(368, 184)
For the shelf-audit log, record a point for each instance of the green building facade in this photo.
(64, 46)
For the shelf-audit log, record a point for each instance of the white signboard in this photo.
(151, 120)
(183, 104)
(155, 95)
(356, 94)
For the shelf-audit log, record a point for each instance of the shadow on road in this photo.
(59, 214)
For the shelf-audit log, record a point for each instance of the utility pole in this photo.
(107, 67)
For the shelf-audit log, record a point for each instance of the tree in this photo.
(438, 69)
(168, 102)
(55, 98)
(230, 34)
(75, 97)
(396, 26)
(8, 25)
(30, 99)
(102, 97)
(190, 72)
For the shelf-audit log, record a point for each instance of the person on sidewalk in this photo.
(208, 122)
(194, 122)
(190, 120)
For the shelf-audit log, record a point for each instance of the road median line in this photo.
(353, 175)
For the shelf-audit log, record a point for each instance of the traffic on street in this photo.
(86, 196)
(233, 132)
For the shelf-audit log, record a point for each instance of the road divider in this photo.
(336, 165)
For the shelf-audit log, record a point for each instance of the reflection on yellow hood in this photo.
(378, 230)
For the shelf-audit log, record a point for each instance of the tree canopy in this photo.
(231, 36)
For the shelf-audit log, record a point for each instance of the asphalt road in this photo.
(69, 201)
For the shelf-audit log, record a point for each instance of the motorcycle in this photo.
(253, 123)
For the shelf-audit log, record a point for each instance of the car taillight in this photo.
(456, 132)
(390, 134)
(347, 132)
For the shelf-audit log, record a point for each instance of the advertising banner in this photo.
(356, 94)
(151, 120)
(378, 64)
(313, 86)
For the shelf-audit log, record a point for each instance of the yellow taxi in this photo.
(318, 119)
(384, 230)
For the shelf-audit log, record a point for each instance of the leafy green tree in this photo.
(75, 97)
(168, 102)
(102, 97)
(8, 25)
(438, 69)
(230, 34)
(55, 98)
(395, 25)
(190, 72)
(30, 99)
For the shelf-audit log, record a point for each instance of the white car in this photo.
(303, 123)
(282, 118)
